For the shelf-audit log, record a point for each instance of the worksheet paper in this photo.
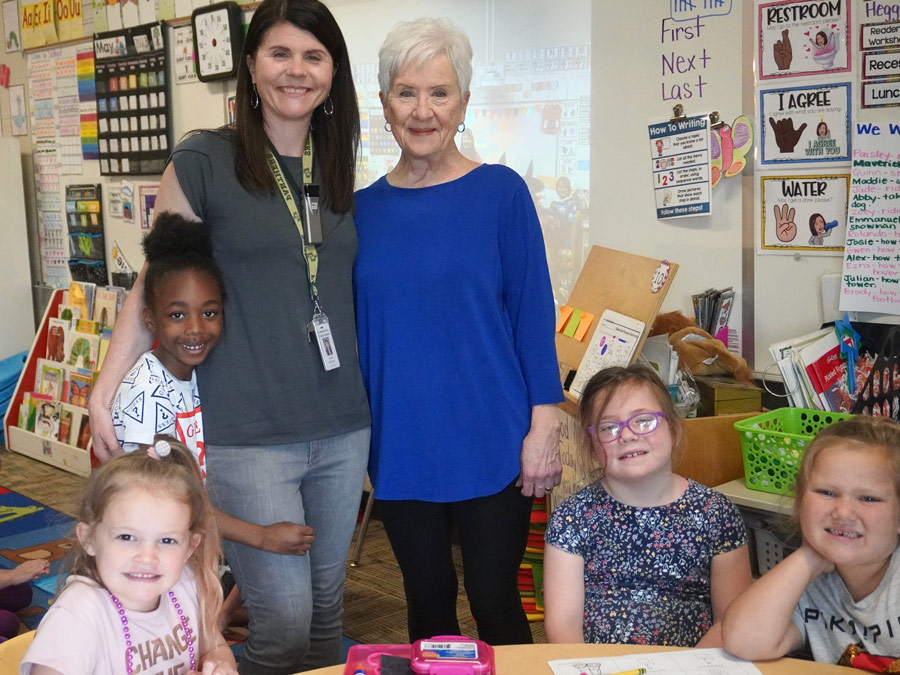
(613, 344)
(686, 662)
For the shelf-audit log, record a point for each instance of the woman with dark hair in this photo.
(285, 412)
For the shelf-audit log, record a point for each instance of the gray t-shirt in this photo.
(829, 619)
(264, 383)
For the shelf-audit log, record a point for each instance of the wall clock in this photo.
(218, 40)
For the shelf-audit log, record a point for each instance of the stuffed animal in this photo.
(698, 351)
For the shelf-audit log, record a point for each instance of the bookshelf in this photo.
(45, 449)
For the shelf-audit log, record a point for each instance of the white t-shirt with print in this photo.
(152, 401)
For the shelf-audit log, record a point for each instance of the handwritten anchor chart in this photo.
(871, 274)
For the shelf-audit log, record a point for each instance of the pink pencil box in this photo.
(441, 655)
(366, 659)
(452, 655)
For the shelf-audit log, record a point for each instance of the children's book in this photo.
(57, 339)
(47, 420)
(826, 371)
(49, 378)
(68, 313)
(796, 383)
(65, 424)
(87, 326)
(78, 386)
(24, 409)
(84, 350)
(104, 347)
(84, 432)
(34, 400)
(105, 307)
(81, 295)
(120, 296)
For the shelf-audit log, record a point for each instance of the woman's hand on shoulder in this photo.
(541, 468)
(105, 444)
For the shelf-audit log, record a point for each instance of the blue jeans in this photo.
(295, 603)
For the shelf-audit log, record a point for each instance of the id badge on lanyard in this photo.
(310, 230)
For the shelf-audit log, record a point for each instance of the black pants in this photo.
(493, 532)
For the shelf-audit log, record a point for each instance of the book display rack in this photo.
(47, 418)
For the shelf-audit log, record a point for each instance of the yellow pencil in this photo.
(636, 671)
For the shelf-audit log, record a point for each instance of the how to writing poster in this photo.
(805, 124)
(679, 156)
(804, 213)
(870, 281)
(803, 38)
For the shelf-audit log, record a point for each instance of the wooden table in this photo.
(532, 660)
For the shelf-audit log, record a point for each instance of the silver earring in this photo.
(328, 107)
(463, 125)
(387, 127)
(254, 97)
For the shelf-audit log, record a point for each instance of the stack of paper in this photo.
(814, 372)
(712, 308)
(659, 355)
(684, 662)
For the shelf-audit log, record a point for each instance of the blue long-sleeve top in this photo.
(455, 324)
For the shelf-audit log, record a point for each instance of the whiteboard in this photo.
(695, 61)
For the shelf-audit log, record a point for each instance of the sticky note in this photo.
(564, 313)
(572, 326)
(583, 326)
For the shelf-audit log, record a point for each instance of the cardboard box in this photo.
(725, 395)
(711, 452)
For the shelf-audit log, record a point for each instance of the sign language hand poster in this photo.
(804, 213)
(803, 37)
(805, 124)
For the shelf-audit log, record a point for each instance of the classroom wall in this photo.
(777, 296)
(630, 91)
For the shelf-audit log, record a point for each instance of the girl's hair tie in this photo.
(159, 449)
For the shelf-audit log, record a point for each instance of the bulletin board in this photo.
(705, 60)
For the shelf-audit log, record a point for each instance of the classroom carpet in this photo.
(30, 530)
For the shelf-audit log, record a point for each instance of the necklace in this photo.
(188, 636)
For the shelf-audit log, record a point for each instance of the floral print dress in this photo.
(647, 570)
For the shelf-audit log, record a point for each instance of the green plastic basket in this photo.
(773, 443)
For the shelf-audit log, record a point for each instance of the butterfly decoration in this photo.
(728, 146)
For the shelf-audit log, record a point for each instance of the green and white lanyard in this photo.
(310, 234)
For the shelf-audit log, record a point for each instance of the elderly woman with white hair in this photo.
(455, 323)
